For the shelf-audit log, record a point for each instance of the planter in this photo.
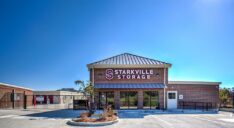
(74, 123)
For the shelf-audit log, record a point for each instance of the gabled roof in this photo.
(128, 60)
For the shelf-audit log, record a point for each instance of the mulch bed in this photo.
(88, 119)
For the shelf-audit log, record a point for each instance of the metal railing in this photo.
(196, 105)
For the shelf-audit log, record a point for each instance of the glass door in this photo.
(106, 98)
(123, 100)
(128, 100)
(151, 100)
(132, 100)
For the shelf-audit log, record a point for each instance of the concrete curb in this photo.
(93, 124)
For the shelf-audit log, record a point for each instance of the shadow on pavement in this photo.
(61, 113)
(142, 113)
(68, 113)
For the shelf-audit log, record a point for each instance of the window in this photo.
(106, 98)
(128, 100)
(171, 96)
(151, 100)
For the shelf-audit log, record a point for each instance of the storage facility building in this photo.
(128, 81)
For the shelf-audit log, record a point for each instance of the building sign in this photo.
(40, 98)
(129, 73)
(109, 74)
(181, 97)
(16, 97)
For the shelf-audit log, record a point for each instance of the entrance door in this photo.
(106, 98)
(151, 100)
(128, 100)
(171, 99)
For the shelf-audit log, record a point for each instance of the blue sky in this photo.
(46, 45)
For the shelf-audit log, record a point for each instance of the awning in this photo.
(128, 85)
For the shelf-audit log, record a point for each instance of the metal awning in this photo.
(128, 85)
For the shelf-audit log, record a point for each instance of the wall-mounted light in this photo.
(157, 74)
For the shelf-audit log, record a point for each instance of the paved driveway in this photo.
(133, 119)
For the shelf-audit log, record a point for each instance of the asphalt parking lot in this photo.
(133, 119)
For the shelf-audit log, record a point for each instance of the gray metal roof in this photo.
(128, 59)
(128, 85)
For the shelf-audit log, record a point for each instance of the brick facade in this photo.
(190, 92)
(6, 97)
(99, 76)
(200, 92)
(196, 93)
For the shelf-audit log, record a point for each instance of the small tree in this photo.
(225, 96)
(87, 89)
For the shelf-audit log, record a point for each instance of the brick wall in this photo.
(196, 93)
(5, 97)
(100, 76)
(190, 92)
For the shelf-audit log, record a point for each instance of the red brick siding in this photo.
(196, 93)
(5, 98)
(99, 77)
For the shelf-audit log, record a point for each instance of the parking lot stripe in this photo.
(164, 121)
(207, 119)
(7, 116)
(228, 120)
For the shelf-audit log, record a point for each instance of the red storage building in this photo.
(12, 96)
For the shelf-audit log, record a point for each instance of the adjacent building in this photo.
(128, 81)
(56, 98)
(12, 96)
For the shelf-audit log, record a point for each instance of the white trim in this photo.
(10, 85)
(93, 76)
(164, 88)
(171, 91)
(129, 66)
(194, 82)
(165, 76)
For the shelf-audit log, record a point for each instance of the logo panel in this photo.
(109, 74)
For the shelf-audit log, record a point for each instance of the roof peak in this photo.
(128, 60)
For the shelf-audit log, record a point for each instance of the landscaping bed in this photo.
(87, 119)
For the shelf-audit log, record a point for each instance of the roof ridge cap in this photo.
(106, 58)
(148, 58)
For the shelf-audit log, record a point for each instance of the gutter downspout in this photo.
(164, 89)
(93, 85)
(93, 76)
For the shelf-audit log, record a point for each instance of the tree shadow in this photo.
(142, 113)
(122, 114)
(61, 113)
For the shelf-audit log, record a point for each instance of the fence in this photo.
(196, 105)
(53, 101)
(13, 100)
